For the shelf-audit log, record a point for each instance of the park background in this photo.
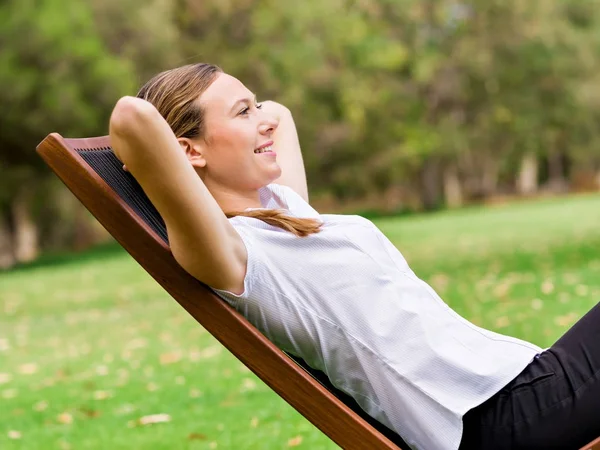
(468, 130)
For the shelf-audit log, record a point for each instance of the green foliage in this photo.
(55, 74)
(383, 90)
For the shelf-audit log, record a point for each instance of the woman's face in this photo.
(235, 128)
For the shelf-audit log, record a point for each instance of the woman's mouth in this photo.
(268, 148)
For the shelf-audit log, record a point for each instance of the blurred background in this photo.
(401, 105)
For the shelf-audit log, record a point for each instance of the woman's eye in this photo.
(244, 111)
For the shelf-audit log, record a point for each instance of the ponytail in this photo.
(301, 227)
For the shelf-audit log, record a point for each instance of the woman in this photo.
(227, 176)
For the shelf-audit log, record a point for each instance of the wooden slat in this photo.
(594, 445)
(291, 382)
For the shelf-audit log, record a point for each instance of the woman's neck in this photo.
(230, 200)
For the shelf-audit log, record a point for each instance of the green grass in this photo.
(90, 344)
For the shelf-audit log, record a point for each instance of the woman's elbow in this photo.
(129, 114)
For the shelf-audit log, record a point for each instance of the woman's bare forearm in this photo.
(287, 146)
(201, 238)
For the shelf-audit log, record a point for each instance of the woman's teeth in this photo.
(268, 148)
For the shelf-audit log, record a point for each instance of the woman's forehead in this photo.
(224, 92)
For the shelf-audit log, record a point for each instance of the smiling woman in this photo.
(332, 289)
(230, 143)
(219, 124)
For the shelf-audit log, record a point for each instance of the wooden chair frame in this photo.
(295, 385)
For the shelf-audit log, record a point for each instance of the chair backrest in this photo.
(91, 171)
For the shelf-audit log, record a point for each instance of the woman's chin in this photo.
(274, 173)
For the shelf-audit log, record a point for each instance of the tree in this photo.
(55, 74)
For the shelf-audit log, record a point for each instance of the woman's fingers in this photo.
(125, 168)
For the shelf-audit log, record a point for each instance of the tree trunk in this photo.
(7, 256)
(430, 184)
(26, 245)
(489, 178)
(556, 171)
(527, 181)
(452, 189)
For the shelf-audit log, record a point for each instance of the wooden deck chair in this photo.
(91, 171)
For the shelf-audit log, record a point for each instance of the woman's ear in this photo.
(194, 151)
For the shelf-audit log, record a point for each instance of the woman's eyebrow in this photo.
(243, 100)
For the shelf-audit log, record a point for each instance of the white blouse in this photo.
(346, 302)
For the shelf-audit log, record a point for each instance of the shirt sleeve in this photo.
(252, 251)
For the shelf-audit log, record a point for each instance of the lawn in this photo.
(94, 354)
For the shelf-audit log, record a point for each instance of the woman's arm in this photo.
(288, 151)
(201, 238)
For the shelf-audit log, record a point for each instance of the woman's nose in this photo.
(269, 124)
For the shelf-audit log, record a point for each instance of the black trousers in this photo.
(553, 404)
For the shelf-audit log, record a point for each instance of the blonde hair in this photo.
(174, 93)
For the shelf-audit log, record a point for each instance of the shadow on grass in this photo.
(99, 252)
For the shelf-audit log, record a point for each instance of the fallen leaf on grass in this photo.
(40, 406)
(582, 290)
(150, 420)
(564, 297)
(566, 320)
(196, 436)
(195, 393)
(91, 413)
(537, 304)
(547, 287)
(570, 278)
(502, 289)
(295, 441)
(5, 378)
(169, 358)
(165, 337)
(4, 345)
(207, 353)
(47, 382)
(65, 418)
(154, 418)
(102, 395)
(439, 281)
(502, 322)
(248, 384)
(14, 434)
(228, 402)
(136, 343)
(9, 393)
(28, 369)
(63, 373)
